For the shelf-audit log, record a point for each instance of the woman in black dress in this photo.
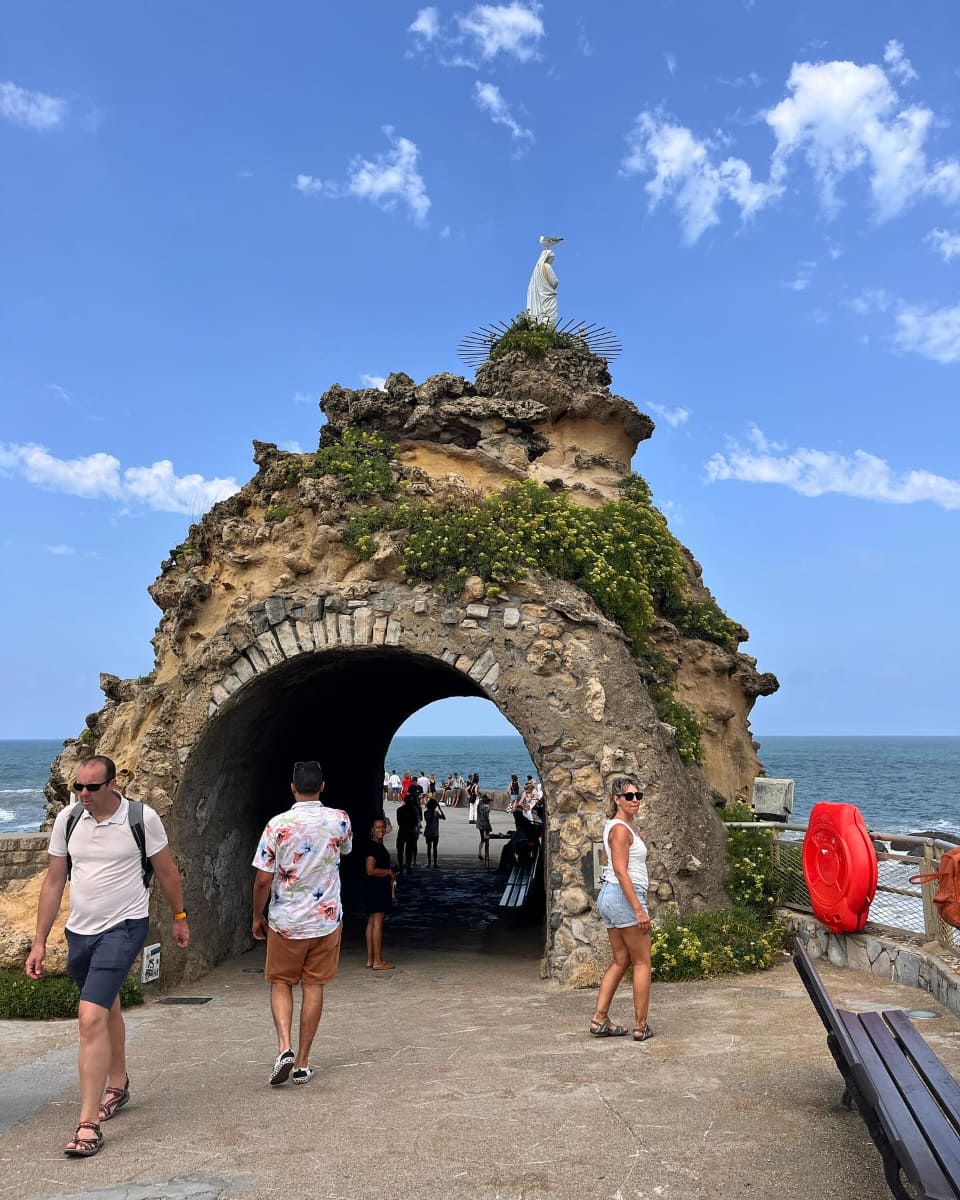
(378, 893)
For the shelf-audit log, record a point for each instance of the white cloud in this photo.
(803, 278)
(946, 244)
(35, 110)
(489, 99)
(838, 118)
(900, 66)
(390, 177)
(60, 550)
(426, 24)
(932, 333)
(513, 29)
(305, 398)
(685, 172)
(374, 381)
(871, 300)
(844, 118)
(445, 231)
(584, 44)
(291, 447)
(818, 472)
(671, 60)
(309, 185)
(98, 476)
(751, 79)
(486, 31)
(672, 416)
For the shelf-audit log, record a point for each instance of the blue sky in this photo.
(211, 213)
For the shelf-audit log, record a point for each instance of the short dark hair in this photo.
(101, 760)
(307, 778)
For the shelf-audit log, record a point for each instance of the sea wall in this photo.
(883, 956)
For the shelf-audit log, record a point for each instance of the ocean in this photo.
(900, 784)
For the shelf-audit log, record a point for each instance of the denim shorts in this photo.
(98, 963)
(615, 912)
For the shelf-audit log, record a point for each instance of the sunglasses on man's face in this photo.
(89, 787)
(632, 795)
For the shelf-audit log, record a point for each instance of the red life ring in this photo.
(840, 867)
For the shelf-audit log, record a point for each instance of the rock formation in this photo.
(278, 643)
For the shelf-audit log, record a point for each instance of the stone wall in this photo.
(883, 956)
(22, 855)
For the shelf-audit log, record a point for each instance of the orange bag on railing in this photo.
(947, 898)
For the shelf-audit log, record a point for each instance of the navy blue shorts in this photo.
(98, 963)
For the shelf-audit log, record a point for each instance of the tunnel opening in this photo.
(343, 708)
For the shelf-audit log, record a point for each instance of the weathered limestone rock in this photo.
(276, 643)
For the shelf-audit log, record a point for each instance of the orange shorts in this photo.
(302, 960)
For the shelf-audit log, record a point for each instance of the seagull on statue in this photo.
(549, 241)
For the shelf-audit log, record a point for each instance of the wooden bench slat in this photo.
(518, 882)
(899, 1126)
(936, 1126)
(936, 1076)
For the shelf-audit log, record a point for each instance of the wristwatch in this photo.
(180, 916)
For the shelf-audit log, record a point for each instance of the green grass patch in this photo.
(52, 998)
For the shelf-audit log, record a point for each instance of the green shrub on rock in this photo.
(54, 997)
(704, 945)
(361, 462)
(535, 338)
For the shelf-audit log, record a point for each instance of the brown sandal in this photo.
(84, 1147)
(642, 1033)
(114, 1099)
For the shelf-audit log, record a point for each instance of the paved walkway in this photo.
(460, 1074)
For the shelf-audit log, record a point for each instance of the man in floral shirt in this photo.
(298, 873)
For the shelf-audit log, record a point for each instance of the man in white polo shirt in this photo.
(106, 929)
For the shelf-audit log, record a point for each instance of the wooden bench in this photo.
(519, 880)
(908, 1099)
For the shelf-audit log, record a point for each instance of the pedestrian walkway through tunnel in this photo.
(342, 708)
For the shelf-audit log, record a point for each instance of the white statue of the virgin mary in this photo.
(542, 289)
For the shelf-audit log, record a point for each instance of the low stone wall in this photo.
(883, 956)
(22, 855)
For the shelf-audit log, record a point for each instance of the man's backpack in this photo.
(135, 821)
(947, 898)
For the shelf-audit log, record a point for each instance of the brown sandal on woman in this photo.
(642, 1033)
(84, 1147)
(114, 1099)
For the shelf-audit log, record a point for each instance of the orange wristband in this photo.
(180, 916)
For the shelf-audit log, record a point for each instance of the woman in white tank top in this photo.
(622, 904)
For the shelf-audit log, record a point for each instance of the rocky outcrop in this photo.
(277, 643)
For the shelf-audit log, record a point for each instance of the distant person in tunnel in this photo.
(433, 814)
(378, 893)
(298, 873)
(101, 846)
(408, 828)
(473, 797)
(622, 906)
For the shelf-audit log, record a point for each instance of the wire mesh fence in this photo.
(898, 904)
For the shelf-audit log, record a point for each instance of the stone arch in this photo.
(334, 675)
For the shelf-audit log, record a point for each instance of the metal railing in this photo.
(899, 904)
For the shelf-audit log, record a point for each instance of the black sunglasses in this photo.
(89, 787)
(632, 795)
